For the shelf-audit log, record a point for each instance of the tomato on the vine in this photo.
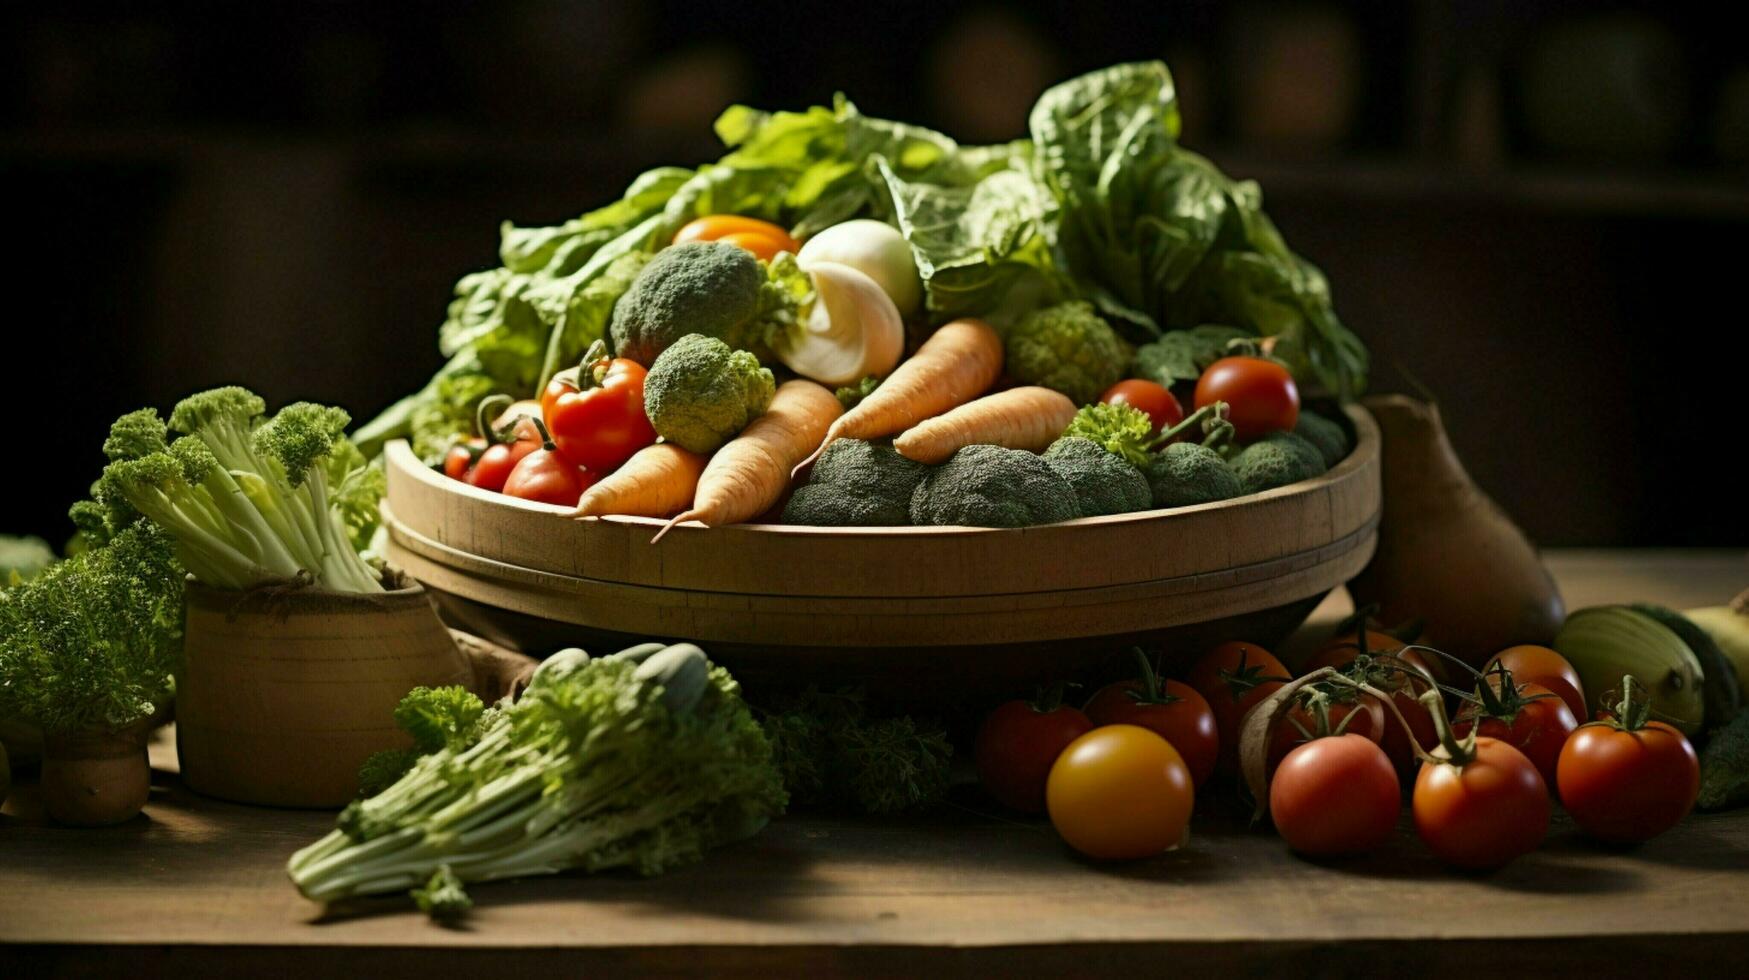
(1628, 779)
(1540, 665)
(1389, 659)
(462, 456)
(1482, 807)
(546, 476)
(1260, 394)
(1335, 796)
(496, 464)
(1017, 745)
(1529, 717)
(1156, 400)
(1174, 711)
(1120, 792)
(1233, 678)
(1320, 714)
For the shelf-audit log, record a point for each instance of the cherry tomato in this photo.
(545, 475)
(1538, 727)
(1334, 796)
(498, 461)
(523, 415)
(1369, 723)
(1016, 746)
(1540, 665)
(1163, 409)
(601, 423)
(462, 456)
(1120, 792)
(1397, 743)
(762, 238)
(1485, 812)
(1232, 678)
(1177, 713)
(1260, 394)
(1627, 786)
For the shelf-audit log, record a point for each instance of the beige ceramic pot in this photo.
(95, 779)
(286, 691)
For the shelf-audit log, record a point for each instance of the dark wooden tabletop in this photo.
(198, 887)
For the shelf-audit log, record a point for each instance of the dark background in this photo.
(1533, 209)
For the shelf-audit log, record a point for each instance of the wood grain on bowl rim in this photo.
(788, 560)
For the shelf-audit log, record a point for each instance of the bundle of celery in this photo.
(642, 760)
(248, 500)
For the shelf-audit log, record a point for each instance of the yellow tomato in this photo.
(1120, 792)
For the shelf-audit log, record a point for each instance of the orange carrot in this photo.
(1028, 418)
(751, 472)
(658, 481)
(955, 365)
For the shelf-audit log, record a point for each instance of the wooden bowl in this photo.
(905, 607)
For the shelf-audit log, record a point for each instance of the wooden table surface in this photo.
(198, 886)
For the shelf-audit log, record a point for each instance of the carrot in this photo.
(955, 365)
(751, 472)
(657, 481)
(1020, 418)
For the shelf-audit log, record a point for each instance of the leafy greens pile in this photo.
(1100, 204)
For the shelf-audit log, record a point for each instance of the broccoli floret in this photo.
(384, 769)
(1122, 429)
(1276, 460)
(1066, 347)
(851, 396)
(710, 288)
(1724, 767)
(1185, 473)
(991, 486)
(443, 897)
(1324, 435)
(138, 433)
(439, 717)
(700, 392)
(1104, 483)
(857, 484)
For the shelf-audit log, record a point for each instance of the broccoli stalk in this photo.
(247, 502)
(616, 763)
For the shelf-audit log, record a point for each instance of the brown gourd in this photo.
(1447, 554)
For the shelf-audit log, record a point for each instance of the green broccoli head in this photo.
(991, 486)
(443, 897)
(857, 484)
(710, 288)
(138, 433)
(381, 770)
(1066, 347)
(218, 407)
(1324, 435)
(1276, 460)
(437, 717)
(1724, 766)
(1184, 474)
(300, 436)
(700, 392)
(1122, 429)
(1104, 483)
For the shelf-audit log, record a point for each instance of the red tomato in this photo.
(601, 424)
(498, 461)
(1398, 744)
(1485, 812)
(1540, 665)
(1178, 714)
(1538, 727)
(1624, 786)
(1260, 394)
(1334, 796)
(1016, 746)
(545, 475)
(1156, 400)
(1369, 723)
(522, 415)
(461, 458)
(1120, 792)
(1231, 678)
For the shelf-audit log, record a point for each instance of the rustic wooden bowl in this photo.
(909, 609)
